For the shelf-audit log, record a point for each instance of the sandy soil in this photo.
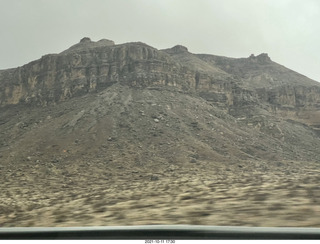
(206, 193)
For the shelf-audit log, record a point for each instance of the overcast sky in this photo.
(288, 30)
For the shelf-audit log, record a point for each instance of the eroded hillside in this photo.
(123, 132)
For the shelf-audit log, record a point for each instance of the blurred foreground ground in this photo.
(252, 194)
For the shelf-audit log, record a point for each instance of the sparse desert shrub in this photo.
(60, 219)
(260, 197)
(60, 215)
(276, 206)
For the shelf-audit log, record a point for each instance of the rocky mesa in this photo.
(119, 116)
(253, 91)
(92, 66)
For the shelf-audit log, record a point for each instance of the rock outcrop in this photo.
(104, 128)
(237, 85)
(88, 67)
(91, 66)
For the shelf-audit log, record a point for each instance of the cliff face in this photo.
(88, 67)
(229, 83)
(262, 83)
(104, 128)
(81, 69)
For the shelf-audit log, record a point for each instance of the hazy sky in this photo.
(288, 30)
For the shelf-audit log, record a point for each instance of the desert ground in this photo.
(283, 193)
